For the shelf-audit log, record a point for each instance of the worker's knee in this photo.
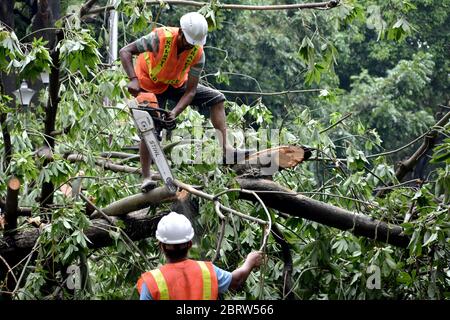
(218, 107)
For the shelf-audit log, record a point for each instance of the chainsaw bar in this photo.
(147, 131)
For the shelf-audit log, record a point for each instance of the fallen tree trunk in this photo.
(138, 226)
(287, 201)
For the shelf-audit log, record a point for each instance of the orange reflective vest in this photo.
(185, 280)
(157, 72)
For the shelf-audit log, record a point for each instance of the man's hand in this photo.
(133, 87)
(254, 259)
(170, 117)
(238, 276)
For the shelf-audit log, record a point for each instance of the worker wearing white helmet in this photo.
(169, 64)
(185, 279)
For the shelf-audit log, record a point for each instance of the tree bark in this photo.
(136, 202)
(287, 259)
(7, 81)
(289, 202)
(428, 143)
(12, 200)
(46, 198)
(21, 212)
(6, 140)
(42, 21)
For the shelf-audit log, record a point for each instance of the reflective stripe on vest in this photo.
(153, 72)
(206, 277)
(206, 280)
(161, 283)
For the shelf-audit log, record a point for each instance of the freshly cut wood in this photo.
(268, 161)
(11, 206)
(284, 156)
(282, 199)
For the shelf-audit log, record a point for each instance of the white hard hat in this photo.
(174, 228)
(194, 27)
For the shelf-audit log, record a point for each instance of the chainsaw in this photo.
(149, 123)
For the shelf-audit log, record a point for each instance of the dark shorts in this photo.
(204, 98)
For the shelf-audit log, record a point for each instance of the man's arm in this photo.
(126, 57)
(186, 99)
(254, 259)
(191, 87)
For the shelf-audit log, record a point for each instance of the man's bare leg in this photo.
(218, 119)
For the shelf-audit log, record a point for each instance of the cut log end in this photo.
(14, 184)
(271, 160)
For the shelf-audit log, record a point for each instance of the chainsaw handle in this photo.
(169, 125)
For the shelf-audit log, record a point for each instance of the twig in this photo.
(209, 197)
(337, 122)
(298, 279)
(24, 268)
(279, 93)
(9, 269)
(399, 149)
(217, 209)
(399, 185)
(219, 241)
(318, 5)
(267, 229)
(26, 257)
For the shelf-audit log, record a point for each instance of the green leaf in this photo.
(404, 278)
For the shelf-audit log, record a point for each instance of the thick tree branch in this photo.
(428, 143)
(50, 117)
(7, 146)
(287, 259)
(285, 200)
(138, 226)
(137, 202)
(21, 212)
(86, 7)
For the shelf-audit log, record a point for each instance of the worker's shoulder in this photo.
(164, 29)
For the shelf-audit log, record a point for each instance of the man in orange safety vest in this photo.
(185, 279)
(168, 65)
